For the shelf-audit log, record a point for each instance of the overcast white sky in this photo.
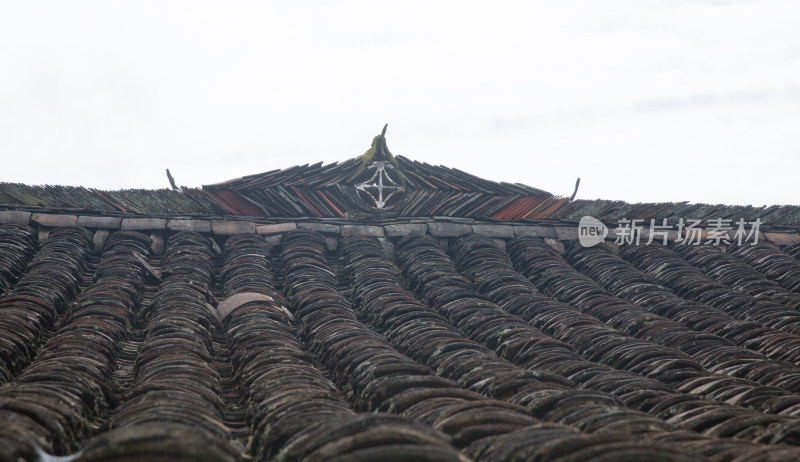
(645, 100)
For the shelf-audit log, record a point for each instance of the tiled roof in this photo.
(318, 346)
(189, 201)
(385, 309)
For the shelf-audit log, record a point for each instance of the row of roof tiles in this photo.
(198, 202)
(193, 201)
(440, 227)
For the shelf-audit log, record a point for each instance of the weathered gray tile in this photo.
(143, 223)
(53, 220)
(439, 229)
(228, 227)
(494, 230)
(276, 228)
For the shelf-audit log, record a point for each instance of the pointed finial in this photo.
(381, 150)
(171, 180)
(575, 193)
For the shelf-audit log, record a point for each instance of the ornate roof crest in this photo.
(379, 191)
(376, 186)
